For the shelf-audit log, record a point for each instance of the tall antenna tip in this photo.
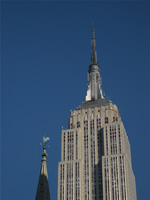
(93, 32)
(93, 54)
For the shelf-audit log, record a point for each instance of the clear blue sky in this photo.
(46, 49)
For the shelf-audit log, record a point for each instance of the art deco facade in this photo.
(95, 150)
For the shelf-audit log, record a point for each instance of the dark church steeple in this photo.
(43, 186)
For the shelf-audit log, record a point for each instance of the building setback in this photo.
(95, 150)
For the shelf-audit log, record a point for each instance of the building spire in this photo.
(43, 186)
(94, 78)
(93, 54)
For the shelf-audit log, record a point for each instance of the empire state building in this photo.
(95, 150)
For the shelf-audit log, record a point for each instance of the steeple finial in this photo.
(93, 54)
(45, 139)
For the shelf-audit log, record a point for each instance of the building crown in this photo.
(94, 79)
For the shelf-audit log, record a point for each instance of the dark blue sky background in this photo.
(46, 49)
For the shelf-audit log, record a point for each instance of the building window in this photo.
(119, 133)
(113, 139)
(98, 121)
(106, 141)
(70, 145)
(106, 120)
(78, 124)
(92, 140)
(86, 158)
(76, 145)
(71, 126)
(64, 146)
(114, 119)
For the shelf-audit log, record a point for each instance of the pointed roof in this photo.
(43, 186)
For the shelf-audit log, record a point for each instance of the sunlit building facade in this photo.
(95, 150)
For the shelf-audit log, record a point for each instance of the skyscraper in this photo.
(95, 150)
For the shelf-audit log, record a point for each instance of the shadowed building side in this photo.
(43, 186)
